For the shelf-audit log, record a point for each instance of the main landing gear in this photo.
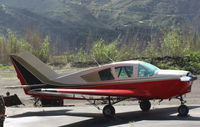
(109, 110)
(183, 110)
(145, 105)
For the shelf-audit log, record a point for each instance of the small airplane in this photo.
(112, 83)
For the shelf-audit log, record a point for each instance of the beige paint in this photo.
(91, 77)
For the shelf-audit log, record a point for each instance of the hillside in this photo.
(74, 23)
(149, 12)
(19, 20)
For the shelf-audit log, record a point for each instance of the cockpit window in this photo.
(124, 71)
(146, 69)
(106, 75)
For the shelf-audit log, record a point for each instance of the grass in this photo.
(6, 67)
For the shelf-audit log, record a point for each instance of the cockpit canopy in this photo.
(118, 71)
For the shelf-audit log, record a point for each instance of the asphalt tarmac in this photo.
(89, 116)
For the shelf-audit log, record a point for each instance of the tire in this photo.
(145, 105)
(1, 123)
(183, 110)
(109, 111)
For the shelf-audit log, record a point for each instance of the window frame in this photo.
(123, 70)
(115, 73)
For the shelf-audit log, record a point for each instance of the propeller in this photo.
(188, 78)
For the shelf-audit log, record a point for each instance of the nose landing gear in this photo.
(183, 110)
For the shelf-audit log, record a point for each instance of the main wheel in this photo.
(145, 105)
(183, 110)
(109, 111)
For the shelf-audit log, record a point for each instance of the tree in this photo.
(173, 44)
(43, 51)
(151, 50)
(12, 43)
(102, 52)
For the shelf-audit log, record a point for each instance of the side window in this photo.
(106, 74)
(124, 72)
(144, 71)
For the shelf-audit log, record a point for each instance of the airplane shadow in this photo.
(42, 113)
(98, 120)
(122, 118)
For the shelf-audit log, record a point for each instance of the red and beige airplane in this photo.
(111, 82)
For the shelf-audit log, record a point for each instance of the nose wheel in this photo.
(183, 110)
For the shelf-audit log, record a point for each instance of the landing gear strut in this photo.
(183, 110)
(145, 105)
(109, 110)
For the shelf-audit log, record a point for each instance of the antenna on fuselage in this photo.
(108, 57)
(95, 61)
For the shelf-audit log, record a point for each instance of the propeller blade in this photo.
(185, 78)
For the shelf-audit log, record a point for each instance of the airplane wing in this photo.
(101, 92)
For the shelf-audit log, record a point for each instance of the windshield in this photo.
(146, 69)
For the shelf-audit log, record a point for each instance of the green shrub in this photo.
(1, 66)
(43, 51)
(14, 45)
(128, 52)
(69, 57)
(174, 44)
(192, 62)
(151, 50)
(102, 52)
